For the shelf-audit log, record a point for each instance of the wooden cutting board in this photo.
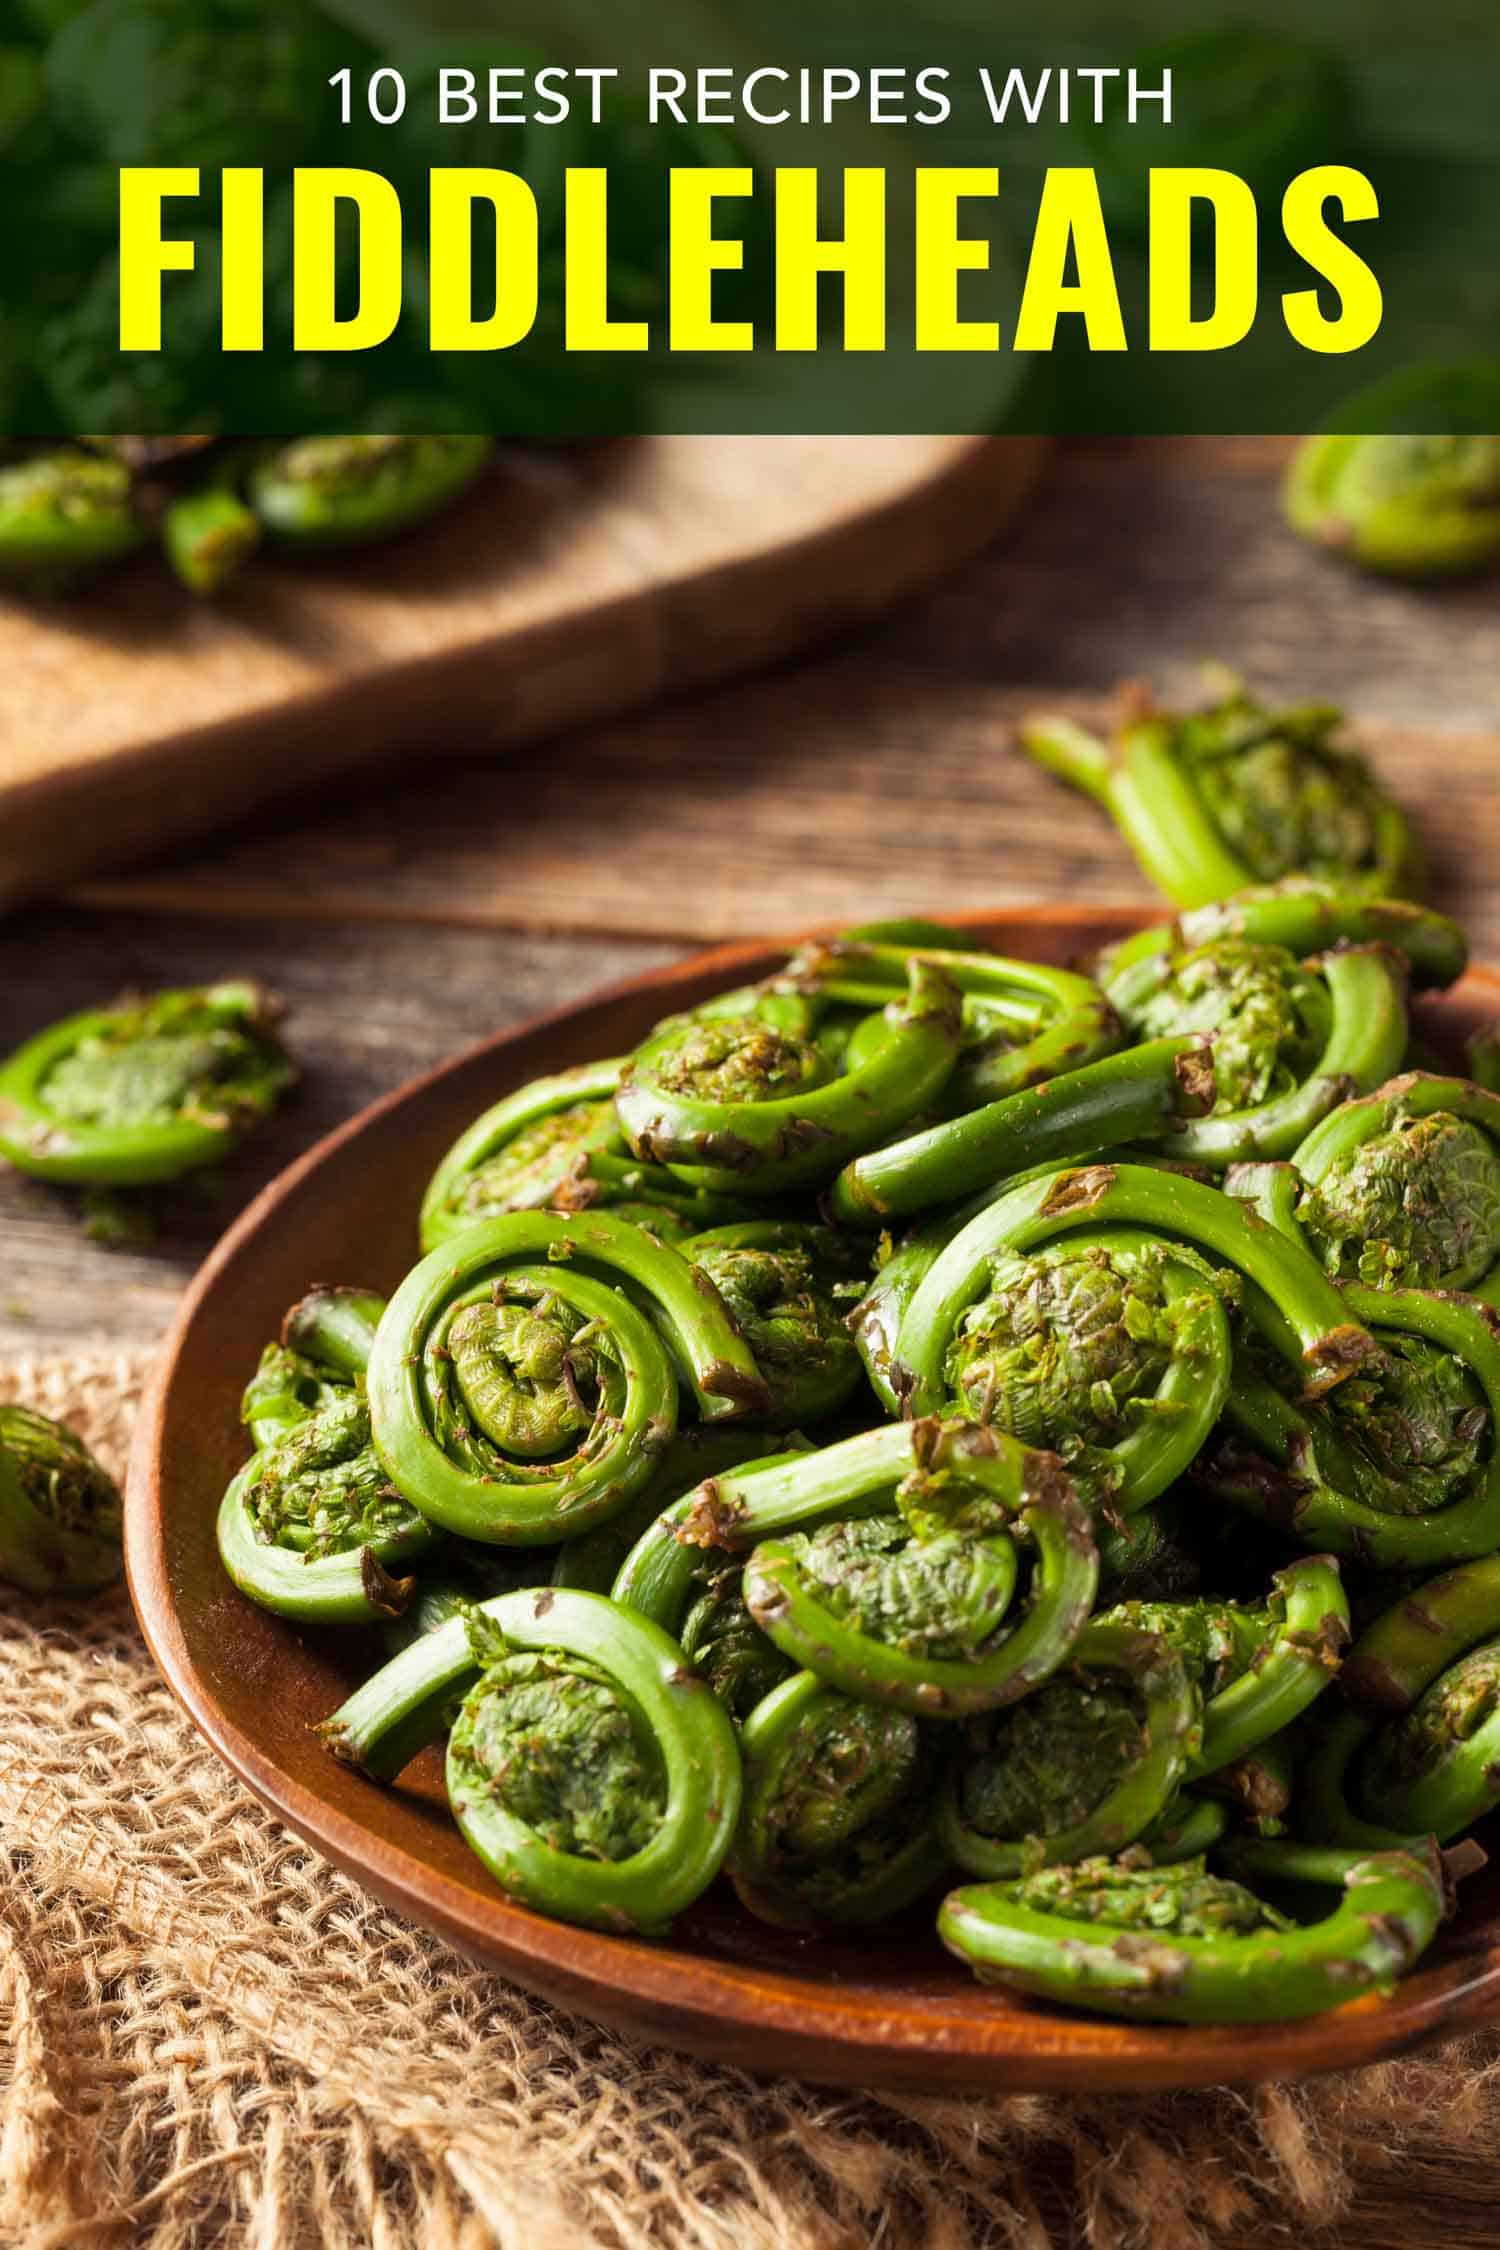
(565, 587)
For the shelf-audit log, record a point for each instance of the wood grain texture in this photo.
(563, 586)
(881, 778)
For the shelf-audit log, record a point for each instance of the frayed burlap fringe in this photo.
(211, 2038)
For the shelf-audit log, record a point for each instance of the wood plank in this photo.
(881, 778)
(563, 586)
(367, 1009)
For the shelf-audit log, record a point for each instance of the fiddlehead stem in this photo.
(1304, 917)
(518, 1395)
(1145, 1094)
(324, 1349)
(837, 1819)
(1403, 1187)
(1081, 1766)
(1178, 1945)
(737, 1106)
(59, 1510)
(1233, 795)
(589, 1769)
(145, 1091)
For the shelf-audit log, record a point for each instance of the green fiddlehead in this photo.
(1403, 1187)
(739, 1105)
(588, 1767)
(344, 491)
(1178, 1945)
(1291, 1039)
(555, 1144)
(59, 1510)
(1402, 1471)
(144, 1091)
(62, 515)
(907, 1599)
(312, 1527)
(518, 1394)
(837, 1823)
(1408, 506)
(1416, 1749)
(1234, 795)
(1081, 1766)
(789, 1287)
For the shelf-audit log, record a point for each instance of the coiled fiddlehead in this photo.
(144, 1091)
(1233, 795)
(1413, 505)
(1416, 1750)
(837, 1824)
(555, 1144)
(588, 1767)
(312, 1527)
(1178, 1945)
(1403, 1187)
(62, 514)
(745, 1100)
(1291, 1038)
(1082, 1766)
(517, 1393)
(789, 1287)
(1401, 1469)
(344, 491)
(59, 1510)
(913, 1608)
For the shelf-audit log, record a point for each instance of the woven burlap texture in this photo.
(213, 2038)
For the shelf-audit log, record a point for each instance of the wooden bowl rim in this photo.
(726, 2009)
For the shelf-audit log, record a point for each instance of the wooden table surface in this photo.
(873, 778)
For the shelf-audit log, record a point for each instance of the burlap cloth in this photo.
(212, 2038)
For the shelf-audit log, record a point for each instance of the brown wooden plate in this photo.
(887, 2008)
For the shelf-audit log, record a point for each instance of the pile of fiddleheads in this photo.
(1118, 1544)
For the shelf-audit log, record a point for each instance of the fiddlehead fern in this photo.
(62, 514)
(1400, 1472)
(144, 1091)
(1081, 1766)
(789, 1288)
(1411, 506)
(1178, 1945)
(747, 1102)
(887, 1564)
(1416, 1749)
(1233, 795)
(837, 1824)
(312, 1526)
(590, 1770)
(59, 1510)
(555, 1145)
(517, 1393)
(1403, 1187)
(344, 491)
(1291, 1039)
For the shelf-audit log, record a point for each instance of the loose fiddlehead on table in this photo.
(144, 1091)
(518, 1394)
(591, 1771)
(59, 1509)
(1409, 506)
(1236, 794)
